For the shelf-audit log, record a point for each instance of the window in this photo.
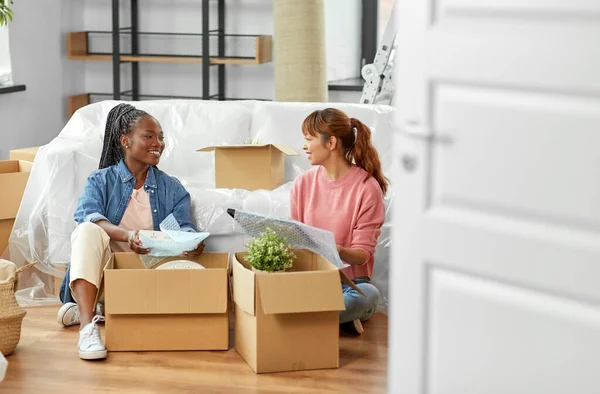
(385, 13)
(5, 68)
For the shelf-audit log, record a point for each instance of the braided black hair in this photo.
(120, 121)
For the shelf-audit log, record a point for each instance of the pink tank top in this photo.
(137, 216)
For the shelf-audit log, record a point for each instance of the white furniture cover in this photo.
(45, 220)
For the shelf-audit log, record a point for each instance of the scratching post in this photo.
(300, 68)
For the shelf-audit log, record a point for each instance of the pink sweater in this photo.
(350, 207)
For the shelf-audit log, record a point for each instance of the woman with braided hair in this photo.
(128, 193)
(344, 194)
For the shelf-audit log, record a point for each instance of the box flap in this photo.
(27, 154)
(284, 149)
(192, 291)
(243, 285)
(9, 166)
(132, 289)
(129, 291)
(127, 260)
(13, 179)
(25, 166)
(295, 292)
(6, 227)
(348, 281)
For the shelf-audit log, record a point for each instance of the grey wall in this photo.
(38, 53)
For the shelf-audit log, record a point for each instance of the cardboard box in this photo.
(149, 309)
(250, 167)
(25, 154)
(288, 321)
(14, 175)
(6, 227)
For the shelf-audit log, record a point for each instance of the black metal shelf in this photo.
(162, 96)
(11, 88)
(133, 30)
(347, 85)
(158, 33)
(77, 49)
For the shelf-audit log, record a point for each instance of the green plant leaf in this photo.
(270, 252)
(6, 14)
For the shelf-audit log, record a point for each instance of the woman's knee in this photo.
(88, 231)
(88, 227)
(370, 291)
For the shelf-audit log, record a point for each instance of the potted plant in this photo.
(269, 252)
(6, 14)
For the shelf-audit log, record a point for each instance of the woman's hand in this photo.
(133, 238)
(352, 256)
(196, 252)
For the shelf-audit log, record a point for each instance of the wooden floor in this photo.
(46, 361)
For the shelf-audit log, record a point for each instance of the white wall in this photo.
(5, 75)
(38, 52)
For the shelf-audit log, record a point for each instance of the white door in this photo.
(495, 279)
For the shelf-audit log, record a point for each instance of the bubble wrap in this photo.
(298, 235)
(181, 241)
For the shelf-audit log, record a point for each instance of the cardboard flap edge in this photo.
(282, 148)
(276, 297)
(348, 281)
(244, 286)
(286, 150)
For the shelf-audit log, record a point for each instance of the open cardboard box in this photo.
(26, 154)
(288, 321)
(251, 167)
(150, 309)
(14, 175)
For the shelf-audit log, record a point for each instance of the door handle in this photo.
(414, 129)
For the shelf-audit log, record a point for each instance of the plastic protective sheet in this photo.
(3, 367)
(44, 224)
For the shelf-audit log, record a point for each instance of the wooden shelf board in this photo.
(166, 59)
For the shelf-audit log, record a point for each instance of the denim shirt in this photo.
(106, 196)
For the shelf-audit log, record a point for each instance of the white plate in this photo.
(180, 265)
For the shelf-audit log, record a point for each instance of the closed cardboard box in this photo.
(14, 175)
(250, 167)
(288, 321)
(26, 154)
(151, 309)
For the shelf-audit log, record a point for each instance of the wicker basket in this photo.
(11, 314)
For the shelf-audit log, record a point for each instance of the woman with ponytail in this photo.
(128, 193)
(344, 194)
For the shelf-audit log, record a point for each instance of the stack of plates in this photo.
(180, 265)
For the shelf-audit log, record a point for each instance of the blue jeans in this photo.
(65, 292)
(357, 306)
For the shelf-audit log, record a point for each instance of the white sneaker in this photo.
(68, 314)
(90, 345)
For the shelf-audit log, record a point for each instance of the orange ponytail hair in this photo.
(365, 155)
